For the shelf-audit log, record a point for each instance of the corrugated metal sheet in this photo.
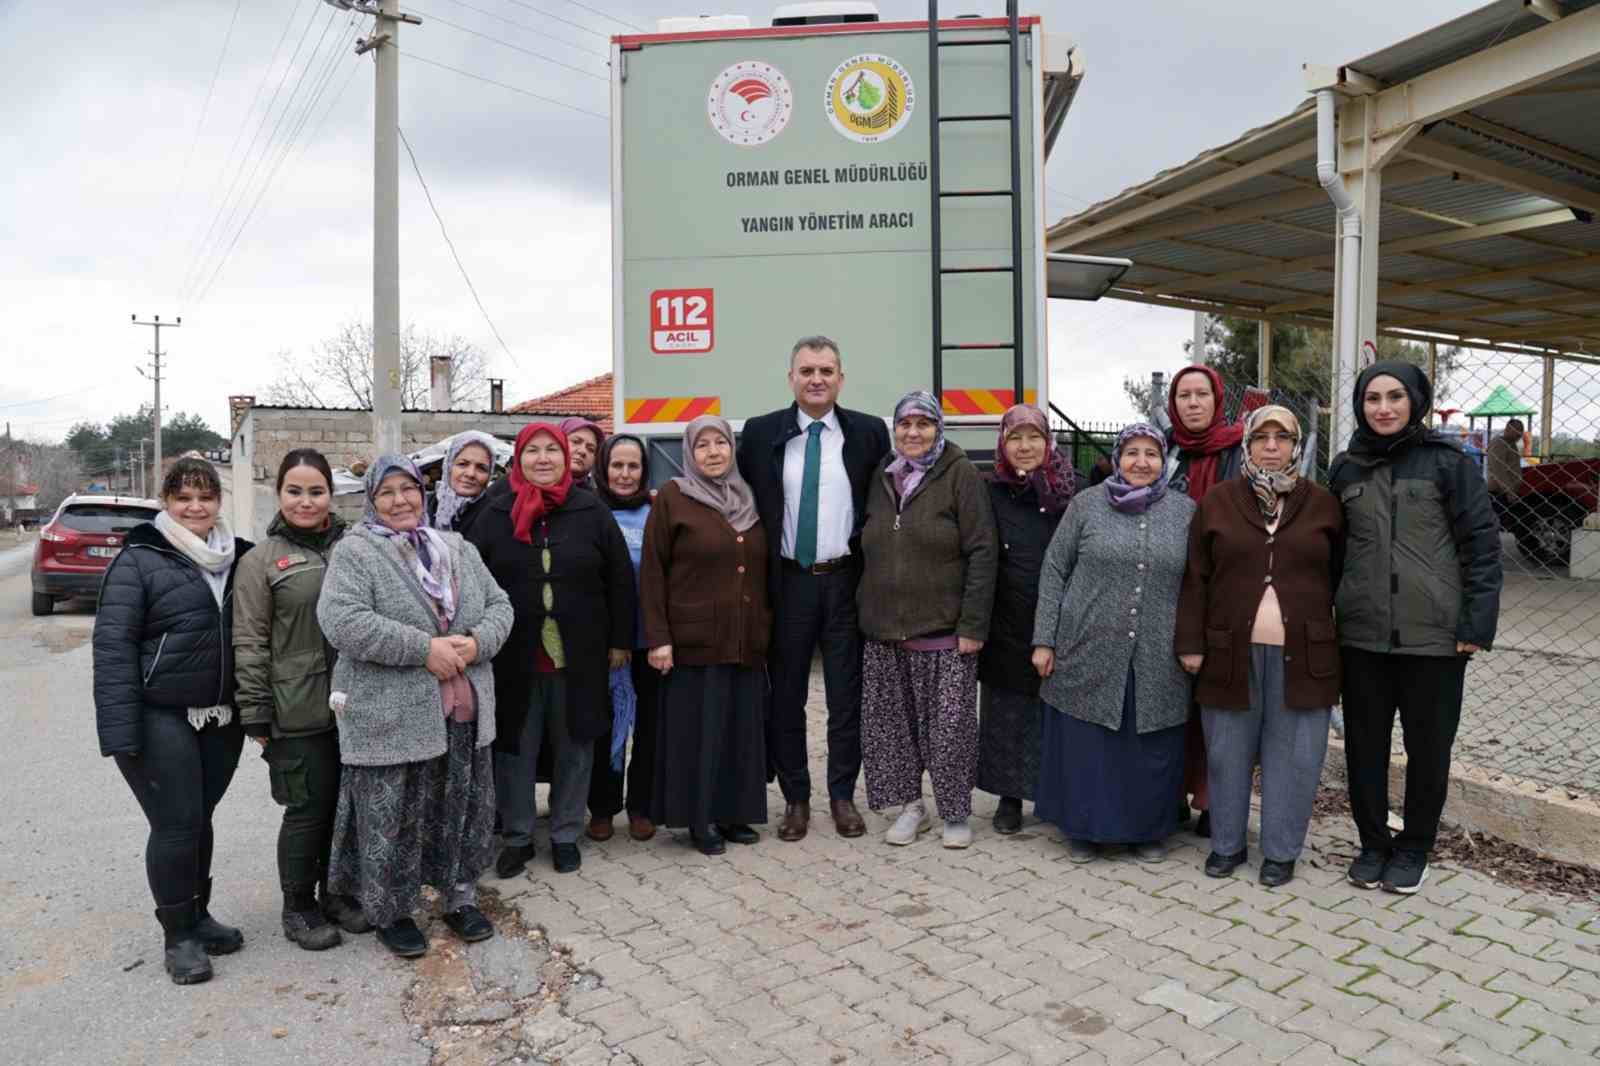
(1503, 20)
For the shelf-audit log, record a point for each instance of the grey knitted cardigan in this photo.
(374, 611)
(1108, 596)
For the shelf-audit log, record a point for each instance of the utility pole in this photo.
(155, 415)
(386, 376)
(11, 478)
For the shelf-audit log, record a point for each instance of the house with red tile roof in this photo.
(591, 399)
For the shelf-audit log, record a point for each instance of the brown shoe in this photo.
(599, 828)
(640, 827)
(796, 819)
(846, 819)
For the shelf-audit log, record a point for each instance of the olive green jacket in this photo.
(282, 662)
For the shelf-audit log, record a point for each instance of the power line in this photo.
(607, 15)
(531, 29)
(565, 21)
(205, 109)
(452, 246)
(48, 399)
(513, 47)
(503, 85)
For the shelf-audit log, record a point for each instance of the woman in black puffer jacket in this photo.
(164, 694)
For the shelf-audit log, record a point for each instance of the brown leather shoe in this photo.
(640, 827)
(796, 819)
(846, 819)
(600, 829)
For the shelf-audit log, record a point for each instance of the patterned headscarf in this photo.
(430, 553)
(448, 502)
(1125, 496)
(1271, 486)
(906, 471)
(1051, 481)
(728, 495)
(1203, 447)
(533, 502)
(569, 426)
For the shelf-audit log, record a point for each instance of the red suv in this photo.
(79, 543)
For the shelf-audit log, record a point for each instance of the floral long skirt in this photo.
(401, 827)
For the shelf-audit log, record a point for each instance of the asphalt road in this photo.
(81, 979)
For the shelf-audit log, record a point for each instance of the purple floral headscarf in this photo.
(906, 471)
(1126, 497)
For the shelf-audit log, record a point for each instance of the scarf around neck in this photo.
(214, 556)
(532, 501)
(430, 554)
(908, 472)
(447, 502)
(1203, 448)
(1122, 494)
(1271, 487)
(318, 540)
(1051, 481)
(728, 495)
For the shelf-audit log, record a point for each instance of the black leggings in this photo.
(304, 773)
(178, 778)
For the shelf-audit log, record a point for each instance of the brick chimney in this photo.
(497, 395)
(439, 369)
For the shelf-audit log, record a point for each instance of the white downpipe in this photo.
(1349, 297)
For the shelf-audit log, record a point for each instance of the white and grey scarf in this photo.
(214, 557)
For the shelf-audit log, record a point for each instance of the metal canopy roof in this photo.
(1488, 223)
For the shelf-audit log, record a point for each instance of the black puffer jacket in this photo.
(161, 645)
(1025, 530)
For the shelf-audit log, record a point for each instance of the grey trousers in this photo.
(571, 765)
(1290, 745)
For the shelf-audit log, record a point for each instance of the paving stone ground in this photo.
(833, 951)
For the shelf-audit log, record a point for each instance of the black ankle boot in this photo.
(344, 912)
(218, 939)
(304, 923)
(186, 959)
(1008, 816)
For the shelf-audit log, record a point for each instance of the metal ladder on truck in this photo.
(1011, 41)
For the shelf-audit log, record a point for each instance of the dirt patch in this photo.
(499, 1000)
(1502, 860)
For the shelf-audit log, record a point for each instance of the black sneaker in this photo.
(1224, 865)
(311, 929)
(1008, 816)
(1367, 870)
(566, 858)
(739, 834)
(513, 859)
(1406, 872)
(345, 912)
(469, 923)
(1275, 873)
(404, 939)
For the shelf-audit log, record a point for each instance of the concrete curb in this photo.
(1542, 818)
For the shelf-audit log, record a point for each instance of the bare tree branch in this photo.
(339, 372)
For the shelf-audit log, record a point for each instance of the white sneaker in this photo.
(912, 821)
(957, 834)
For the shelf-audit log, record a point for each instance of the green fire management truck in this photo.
(778, 181)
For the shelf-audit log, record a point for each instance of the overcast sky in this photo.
(108, 196)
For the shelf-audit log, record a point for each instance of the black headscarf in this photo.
(1366, 441)
(602, 467)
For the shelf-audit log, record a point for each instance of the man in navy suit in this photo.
(809, 466)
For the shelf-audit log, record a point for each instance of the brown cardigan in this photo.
(1232, 559)
(702, 586)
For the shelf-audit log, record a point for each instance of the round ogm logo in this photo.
(870, 98)
(750, 103)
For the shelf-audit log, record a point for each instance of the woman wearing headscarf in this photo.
(703, 584)
(1255, 628)
(1202, 452)
(416, 619)
(584, 439)
(563, 561)
(1418, 595)
(284, 665)
(164, 700)
(622, 481)
(1113, 740)
(467, 470)
(927, 589)
(1032, 485)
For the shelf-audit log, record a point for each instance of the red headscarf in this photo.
(1203, 447)
(535, 501)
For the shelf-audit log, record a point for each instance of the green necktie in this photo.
(805, 532)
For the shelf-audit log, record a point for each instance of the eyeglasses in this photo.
(1284, 439)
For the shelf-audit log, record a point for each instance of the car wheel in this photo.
(1544, 526)
(42, 604)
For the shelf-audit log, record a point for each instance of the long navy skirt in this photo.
(1109, 787)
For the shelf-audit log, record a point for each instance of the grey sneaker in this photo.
(957, 834)
(913, 821)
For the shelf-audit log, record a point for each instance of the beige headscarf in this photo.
(728, 495)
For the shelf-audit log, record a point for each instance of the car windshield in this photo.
(104, 517)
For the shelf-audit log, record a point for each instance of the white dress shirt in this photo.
(836, 511)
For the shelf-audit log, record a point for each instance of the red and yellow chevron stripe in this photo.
(669, 408)
(983, 401)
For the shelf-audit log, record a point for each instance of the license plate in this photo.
(104, 553)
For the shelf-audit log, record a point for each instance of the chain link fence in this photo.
(1532, 704)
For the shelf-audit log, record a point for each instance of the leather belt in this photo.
(817, 569)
